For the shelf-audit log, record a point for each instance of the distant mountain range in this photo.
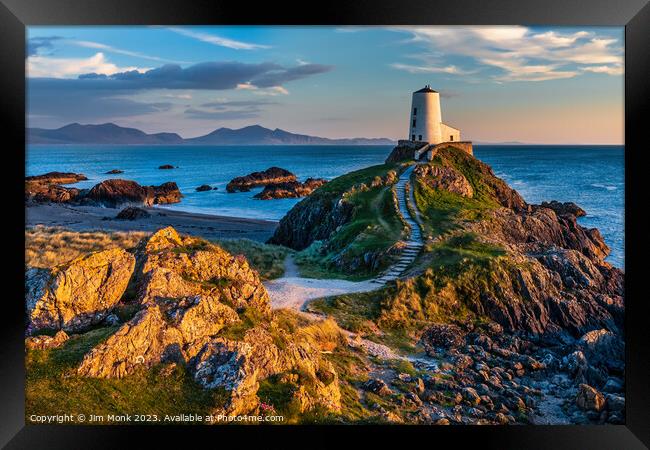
(109, 133)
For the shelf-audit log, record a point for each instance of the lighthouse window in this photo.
(451, 137)
(415, 111)
(412, 137)
(413, 122)
(419, 137)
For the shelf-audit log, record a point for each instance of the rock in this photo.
(377, 386)
(615, 402)
(114, 172)
(44, 342)
(203, 188)
(613, 385)
(441, 336)
(272, 175)
(589, 399)
(602, 347)
(564, 209)
(444, 178)
(290, 189)
(80, 293)
(112, 320)
(575, 362)
(57, 178)
(471, 395)
(167, 167)
(132, 213)
(38, 192)
(115, 192)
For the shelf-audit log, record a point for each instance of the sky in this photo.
(540, 85)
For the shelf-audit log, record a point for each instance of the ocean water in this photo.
(591, 176)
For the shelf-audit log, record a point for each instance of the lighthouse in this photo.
(426, 119)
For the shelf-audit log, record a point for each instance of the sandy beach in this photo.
(83, 218)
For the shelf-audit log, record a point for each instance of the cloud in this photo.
(111, 49)
(412, 68)
(217, 40)
(36, 44)
(43, 66)
(272, 91)
(520, 53)
(609, 70)
(229, 109)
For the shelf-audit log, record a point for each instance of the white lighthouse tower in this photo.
(426, 119)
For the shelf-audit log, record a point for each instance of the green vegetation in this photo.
(267, 259)
(53, 387)
(375, 227)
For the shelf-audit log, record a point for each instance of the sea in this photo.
(591, 176)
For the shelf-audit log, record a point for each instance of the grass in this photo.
(53, 387)
(374, 228)
(267, 259)
(46, 247)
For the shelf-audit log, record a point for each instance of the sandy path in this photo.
(292, 291)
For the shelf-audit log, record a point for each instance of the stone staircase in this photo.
(415, 243)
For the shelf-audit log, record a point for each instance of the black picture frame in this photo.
(634, 15)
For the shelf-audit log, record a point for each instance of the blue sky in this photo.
(540, 85)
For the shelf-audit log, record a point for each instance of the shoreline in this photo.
(87, 218)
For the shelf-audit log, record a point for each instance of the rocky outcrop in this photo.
(564, 209)
(441, 336)
(46, 188)
(57, 178)
(78, 294)
(116, 192)
(272, 175)
(404, 152)
(132, 213)
(189, 291)
(290, 189)
(444, 178)
(114, 172)
(167, 167)
(238, 366)
(589, 399)
(45, 342)
(313, 219)
(37, 192)
(203, 188)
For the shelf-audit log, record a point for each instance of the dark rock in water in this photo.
(49, 193)
(166, 193)
(57, 178)
(203, 188)
(290, 189)
(132, 213)
(564, 209)
(272, 175)
(167, 167)
(114, 172)
(115, 192)
(46, 188)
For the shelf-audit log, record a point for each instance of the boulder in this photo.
(44, 342)
(378, 386)
(57, 178)
(78, 294)
(115, 192)
(290, 189)
(564, 209)
(114, 172)
(166, 167)
(272, 175)
(602, 347)
(444, 178)
(441, 336)
(589, 399)
(37, 192)
(203, 188)
(132, 213)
